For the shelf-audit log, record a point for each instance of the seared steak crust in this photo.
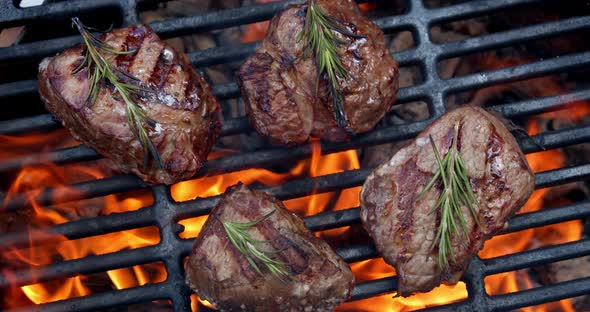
(183, 106)
(279, 85)
(403, 227)
(318, 278)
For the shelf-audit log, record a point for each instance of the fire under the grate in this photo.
(74, 230)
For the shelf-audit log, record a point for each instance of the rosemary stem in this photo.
(99, 72)
(456, 193)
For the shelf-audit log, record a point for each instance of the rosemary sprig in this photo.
(247, 246)
(455, 193)
(319, 33)
(101, 73)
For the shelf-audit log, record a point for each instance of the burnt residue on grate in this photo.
(422, 54)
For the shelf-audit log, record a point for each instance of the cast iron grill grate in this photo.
(165, 212)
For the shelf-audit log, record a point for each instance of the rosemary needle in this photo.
(456, 192)
(321, 41)
(101, 73)
(248, 247)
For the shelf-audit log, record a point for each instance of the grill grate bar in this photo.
(327, 183)
(374, 288)
(17, 88)
(86, 265)
(541, 105)
(529, 220)
(516, 261)
(75, 192)
(104, 300)
(562, 175)
(220, 55)
(555, 139)
(514, 73)
(80, 228)
(242, 161)
(62, 156)
(215, 56)
(219, 19)
(540, 295)
(534, 257)
(52, 11)
(322, 221)
(466, 10)
(491, 266)
(43, 122)
(333, 219)
(509, 37)
(80, 152)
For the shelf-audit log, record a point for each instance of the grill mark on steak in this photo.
(246, 269)
(328, 268)
(412, 177)
(459, 135)
(210, 263)
(161, 71)
(287, 250)
(133, 41)
(257, 73)
(290, 253)
(447, 143)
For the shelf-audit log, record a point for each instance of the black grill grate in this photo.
(165, 212)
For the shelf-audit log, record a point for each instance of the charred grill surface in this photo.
(165, 213)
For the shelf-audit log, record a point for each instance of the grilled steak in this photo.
(280, 86)
(182, 105)
(400, 221)
(217, 271)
